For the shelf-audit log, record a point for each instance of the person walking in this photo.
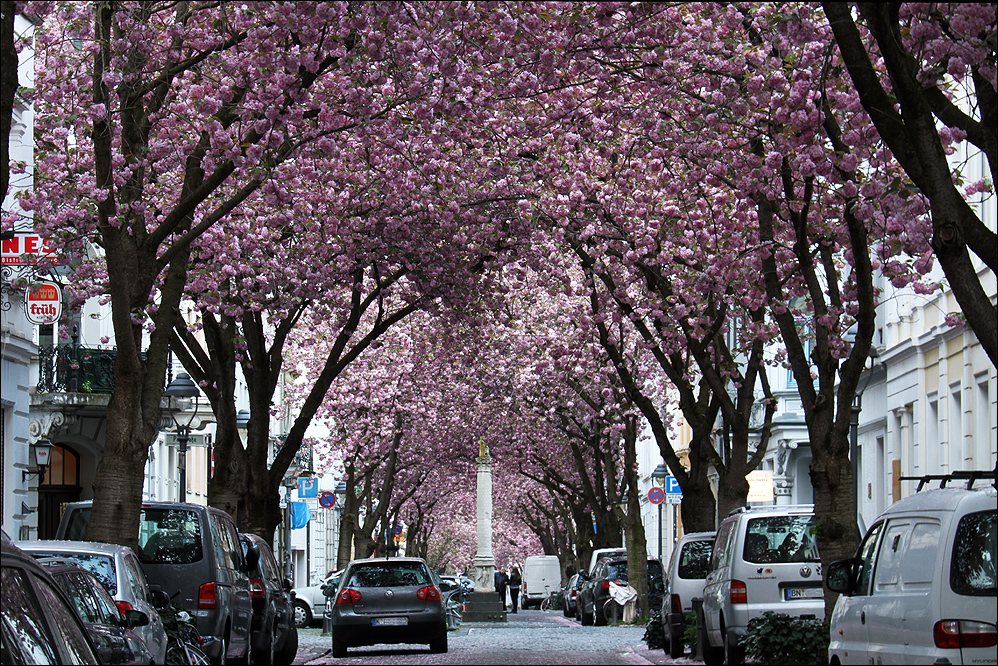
(514, 588)
(501, 579)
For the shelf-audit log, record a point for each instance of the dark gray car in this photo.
(275, 636)
(193, 554)
(388, 600)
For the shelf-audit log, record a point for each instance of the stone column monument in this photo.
(484, 604)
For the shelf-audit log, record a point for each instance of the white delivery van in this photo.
(541, 577)
(923, 586)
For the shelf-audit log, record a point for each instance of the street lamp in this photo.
(43, 452)
(341, 494)
(660, 472)
(183, 387)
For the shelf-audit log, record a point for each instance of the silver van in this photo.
(684, 580)
(764, 559)
(193, 554)
(923, 587)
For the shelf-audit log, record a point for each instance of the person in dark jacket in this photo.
(514, 588)
(501, 579)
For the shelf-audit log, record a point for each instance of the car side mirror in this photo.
(157, 597)
(841, 575)
(134, 618)
(583, 574)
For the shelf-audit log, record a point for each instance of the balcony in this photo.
(70, 368)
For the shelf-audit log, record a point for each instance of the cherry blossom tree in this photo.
(926, 76)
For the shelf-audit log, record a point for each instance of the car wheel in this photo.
(676, 647)
(599, 616)
(587, 619)
(712, 656)
(439, 645)
(266, 655)
(303, 616)
(290, 650)
(734, 654)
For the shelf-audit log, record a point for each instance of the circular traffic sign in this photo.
(327, 500)
(398, 529)
(656, 496)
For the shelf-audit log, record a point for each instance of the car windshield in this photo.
(101, 566)
(781, 539)
(169, 536)
(388, 575)
(618, 570)
(975, 555)
(694, 559)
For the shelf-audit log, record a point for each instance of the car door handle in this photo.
(862, 617)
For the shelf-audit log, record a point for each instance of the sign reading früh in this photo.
(26, 249)
(45, 305)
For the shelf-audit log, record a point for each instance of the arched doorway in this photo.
(60, 485)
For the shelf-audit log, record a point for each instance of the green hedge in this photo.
(776, 638)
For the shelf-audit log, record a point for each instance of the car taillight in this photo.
(124, 606)
(964, 634)
(606, 585)
(677, 604)
(348, 596)
(256, 588)
(208, 596)
(739, 594)
(430, 593)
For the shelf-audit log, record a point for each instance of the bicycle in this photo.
(453, 608)
(184, 643)
(548, 601)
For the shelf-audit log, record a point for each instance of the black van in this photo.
(192, 550)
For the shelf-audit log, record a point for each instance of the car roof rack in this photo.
(970, 476)
(771, 507)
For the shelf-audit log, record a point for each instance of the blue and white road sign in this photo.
(672, 486)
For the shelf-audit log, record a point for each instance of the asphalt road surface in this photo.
(530, 637)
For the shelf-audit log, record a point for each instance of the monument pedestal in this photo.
(483, 607)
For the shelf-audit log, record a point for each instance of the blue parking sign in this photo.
(672, 486)
(308, 487)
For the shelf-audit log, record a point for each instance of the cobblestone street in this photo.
(530, 637)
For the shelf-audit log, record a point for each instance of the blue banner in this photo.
(300, 515)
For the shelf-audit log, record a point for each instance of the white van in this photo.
(923, 586)
(764, 559)
(541, 576)
(600, 553)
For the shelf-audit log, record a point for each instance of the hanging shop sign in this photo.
(44, 305)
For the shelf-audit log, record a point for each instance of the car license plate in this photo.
(390, 621)
(792, 593)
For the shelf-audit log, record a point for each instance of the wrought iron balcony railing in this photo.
(75, 369)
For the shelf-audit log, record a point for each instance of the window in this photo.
(169, 536)
(694, 559)
(975, 555)
(65, 625)
(63, 469)
(388, 575)
(722, 554)
(23, 621)
(867, 553)
(100, 565)
(781, 539)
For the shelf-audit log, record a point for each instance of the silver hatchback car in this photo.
(117, 568)
(388, 600)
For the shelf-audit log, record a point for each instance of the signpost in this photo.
(327, 500)
(656, 496)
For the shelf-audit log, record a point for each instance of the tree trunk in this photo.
(634, 529)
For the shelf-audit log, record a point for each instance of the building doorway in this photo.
(60, 486)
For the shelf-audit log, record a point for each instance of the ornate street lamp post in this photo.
(183, 387)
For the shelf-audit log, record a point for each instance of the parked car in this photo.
(600, 553)
(572, 594)
(764, 559)
(192, 552)
(310, 600)
(388, 600)
(40, 624)
(275, 636)
(541, 576)
(595, 591)
(110, 629)
(923, 587)
(684, 579)
(119, 571)
(458, 582)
